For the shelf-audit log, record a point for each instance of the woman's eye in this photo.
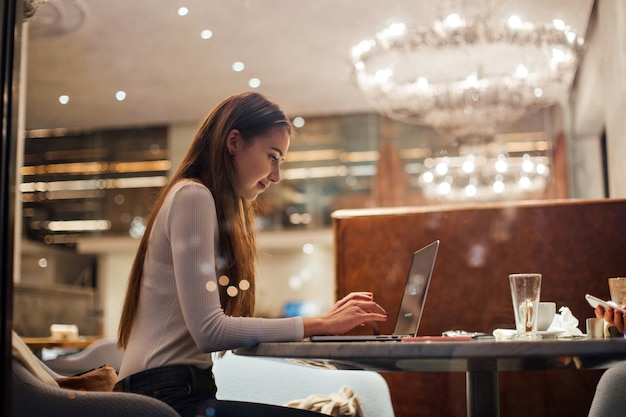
(274, 158)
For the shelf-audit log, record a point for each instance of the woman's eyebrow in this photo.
(277, 150)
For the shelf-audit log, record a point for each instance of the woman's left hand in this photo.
(355, 309)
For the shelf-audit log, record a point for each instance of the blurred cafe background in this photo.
(436, 105)
(395, 103)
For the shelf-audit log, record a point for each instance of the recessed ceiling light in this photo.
(206, 34)
(298, 121)
(120, 95)
(182, 11)
(254, 83)
(64, 99)
(238, 66)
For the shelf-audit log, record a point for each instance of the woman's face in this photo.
(257, 162)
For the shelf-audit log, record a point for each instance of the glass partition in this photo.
(89, 183)
(412, 105)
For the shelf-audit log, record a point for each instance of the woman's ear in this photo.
(232, 141)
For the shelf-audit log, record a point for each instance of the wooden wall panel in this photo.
(575, 244)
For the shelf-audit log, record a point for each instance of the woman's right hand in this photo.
(355, 309)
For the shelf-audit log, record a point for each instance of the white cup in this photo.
(547, 310)
(595, 328)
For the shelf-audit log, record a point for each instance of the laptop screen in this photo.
(415, 290)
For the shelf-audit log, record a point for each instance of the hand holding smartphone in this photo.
(595, 302)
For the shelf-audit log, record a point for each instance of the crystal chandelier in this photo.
(467, 76)
(480, 177)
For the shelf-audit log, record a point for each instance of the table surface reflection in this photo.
(450, 356)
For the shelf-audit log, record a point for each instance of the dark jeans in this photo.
(191, 392)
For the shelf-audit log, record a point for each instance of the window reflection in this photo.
(78, 184)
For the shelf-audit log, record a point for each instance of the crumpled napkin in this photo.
(504, 334)
(564, 322)
(344, 403)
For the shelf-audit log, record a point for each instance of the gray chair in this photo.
(101, 352)
(278, 381)
(32, 397)
(610, 397)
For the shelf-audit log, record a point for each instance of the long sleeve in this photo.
(180, 317)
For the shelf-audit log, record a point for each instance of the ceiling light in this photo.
(468, 164)
(64, 99)
(498, 186)
(501, 164)
(182, 11)
(467, 95)
(238, 66)
(447, 179)
(120, 95)
(442, 167)
(298, 121)
(542, 169)
(206, 34)
(559, 24)
(443, 188)
(78, 225)
(254, 83)
(524, 183)
(470, 190)
(54, 18)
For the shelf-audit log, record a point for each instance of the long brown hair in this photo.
(209, 162)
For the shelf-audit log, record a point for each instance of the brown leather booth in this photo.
(575, 244)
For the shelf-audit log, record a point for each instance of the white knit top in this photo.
(180, 319)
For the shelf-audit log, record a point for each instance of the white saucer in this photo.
(510, 333)
(545, 334)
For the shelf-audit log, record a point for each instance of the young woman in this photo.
(191, 287)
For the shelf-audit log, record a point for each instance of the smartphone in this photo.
(595, 301)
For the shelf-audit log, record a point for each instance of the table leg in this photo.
(482, 388)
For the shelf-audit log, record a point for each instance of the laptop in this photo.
(411, 306)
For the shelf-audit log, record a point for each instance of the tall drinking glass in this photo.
(617, 289)
(525, 292)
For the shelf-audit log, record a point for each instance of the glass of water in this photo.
(525, 292)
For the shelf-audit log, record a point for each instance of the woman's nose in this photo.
(275, 175)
